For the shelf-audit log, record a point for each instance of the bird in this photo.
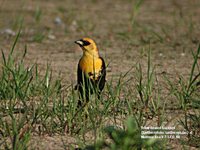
(91, 71)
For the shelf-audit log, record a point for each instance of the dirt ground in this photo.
(172, 28)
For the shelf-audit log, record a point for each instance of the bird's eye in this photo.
(85, 43)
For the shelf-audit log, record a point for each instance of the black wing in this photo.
(102, 76)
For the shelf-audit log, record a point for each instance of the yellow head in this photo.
(88, 46)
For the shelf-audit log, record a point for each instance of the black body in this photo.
(87, 86)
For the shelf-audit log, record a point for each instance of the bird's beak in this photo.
(79, 42)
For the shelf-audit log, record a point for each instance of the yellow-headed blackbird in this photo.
(91, 73)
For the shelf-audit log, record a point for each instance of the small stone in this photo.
(9, 32)
(73, 26)
(51, 37)
(182, 54)
(58, 21)
(160, 54)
